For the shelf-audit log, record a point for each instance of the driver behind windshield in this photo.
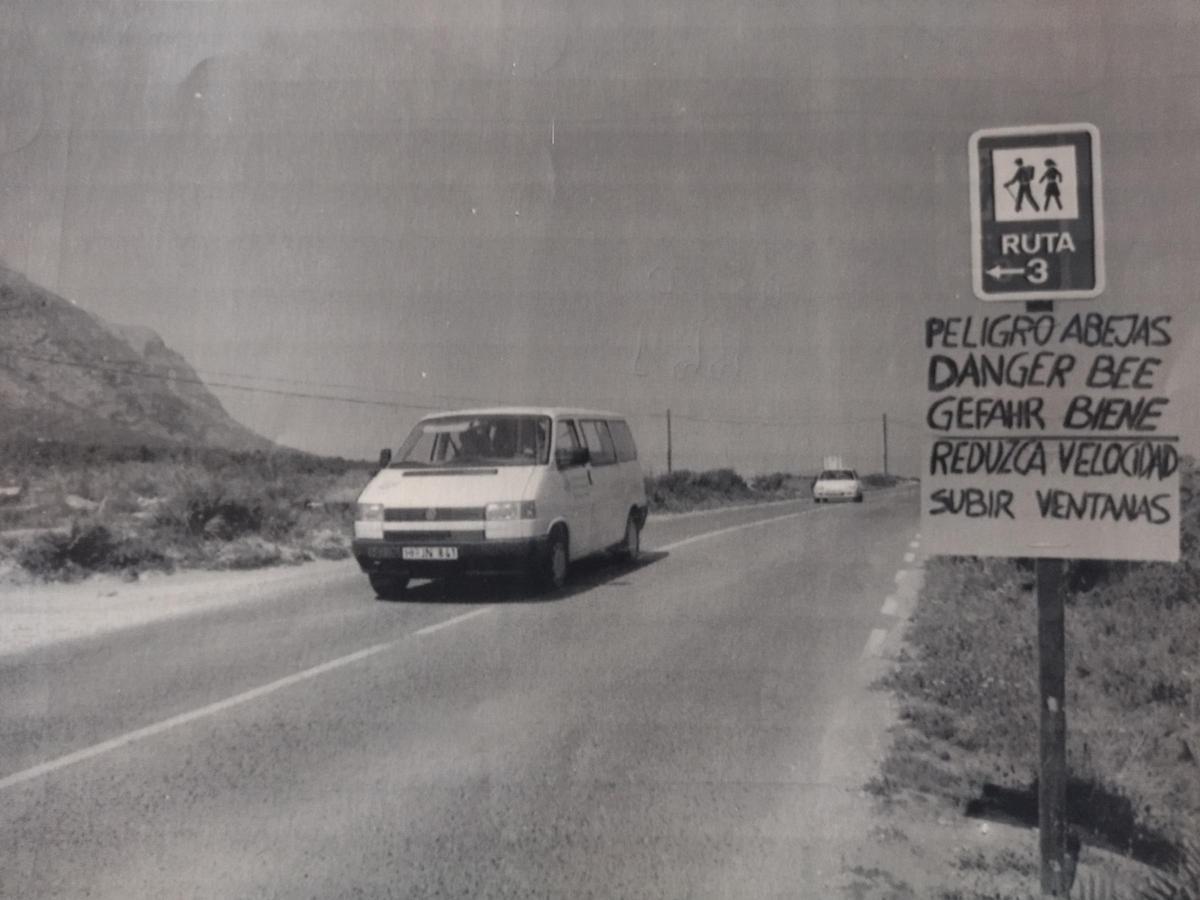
(474, 443)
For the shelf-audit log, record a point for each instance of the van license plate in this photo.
(430, 553)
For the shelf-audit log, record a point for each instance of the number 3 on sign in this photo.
(1036, 271)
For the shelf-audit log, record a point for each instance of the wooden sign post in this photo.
(1052, 769)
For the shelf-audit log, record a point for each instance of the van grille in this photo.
(435, 514)
(433, 537)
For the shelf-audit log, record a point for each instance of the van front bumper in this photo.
(478, 556)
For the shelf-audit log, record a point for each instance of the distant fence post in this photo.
(668, 441)
(885, 459)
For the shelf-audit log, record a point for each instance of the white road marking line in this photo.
(211, 709)
(890, 605)
(430, 629)
(710, 534)
(901, 575)
(914, 544)
(671, 517)
(766, 504)
(909, 556)
(874, 642)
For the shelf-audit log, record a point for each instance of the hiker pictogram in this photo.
(1024, 180)
(1036, 182)
(1052, 176)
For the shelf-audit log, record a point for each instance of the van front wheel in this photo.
(389, 587)
(631, 547)
(550, 572)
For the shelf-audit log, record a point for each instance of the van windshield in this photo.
(837, 475)
(477, 440)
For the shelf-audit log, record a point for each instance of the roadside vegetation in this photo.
(967, 688)
(685, 491)
(67, 511)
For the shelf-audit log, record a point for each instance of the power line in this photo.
(907, 423)
(135, 369)
(780, 423)
(183, 379)
(132, 367)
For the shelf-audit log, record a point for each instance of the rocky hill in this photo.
(68, 375)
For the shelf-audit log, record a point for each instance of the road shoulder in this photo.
(913, 844)
(38, 615)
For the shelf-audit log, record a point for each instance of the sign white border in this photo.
(977, 213)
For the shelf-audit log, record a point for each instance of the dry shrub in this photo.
(88, 547)
(684, 489)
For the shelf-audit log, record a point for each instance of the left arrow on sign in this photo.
(999, 271)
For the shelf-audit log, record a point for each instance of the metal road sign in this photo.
(1037, 225)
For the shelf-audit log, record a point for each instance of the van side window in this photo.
(565, 437)
(599, 442)
(623, 439)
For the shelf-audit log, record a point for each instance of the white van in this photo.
(509, 489)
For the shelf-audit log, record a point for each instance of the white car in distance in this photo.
(837, 484)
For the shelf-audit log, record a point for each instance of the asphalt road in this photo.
(666, 730)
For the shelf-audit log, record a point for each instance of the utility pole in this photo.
(885, 461)
(668, 441)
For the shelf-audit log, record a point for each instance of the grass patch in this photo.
(968, 690)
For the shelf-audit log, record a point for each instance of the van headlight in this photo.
(368, 512)
(510, 511)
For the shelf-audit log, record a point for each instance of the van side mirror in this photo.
(385, 457)
(568, 457)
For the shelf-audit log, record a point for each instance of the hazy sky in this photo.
(741, 211)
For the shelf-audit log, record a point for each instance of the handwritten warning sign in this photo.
(1036, 213)
(1050, 435)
